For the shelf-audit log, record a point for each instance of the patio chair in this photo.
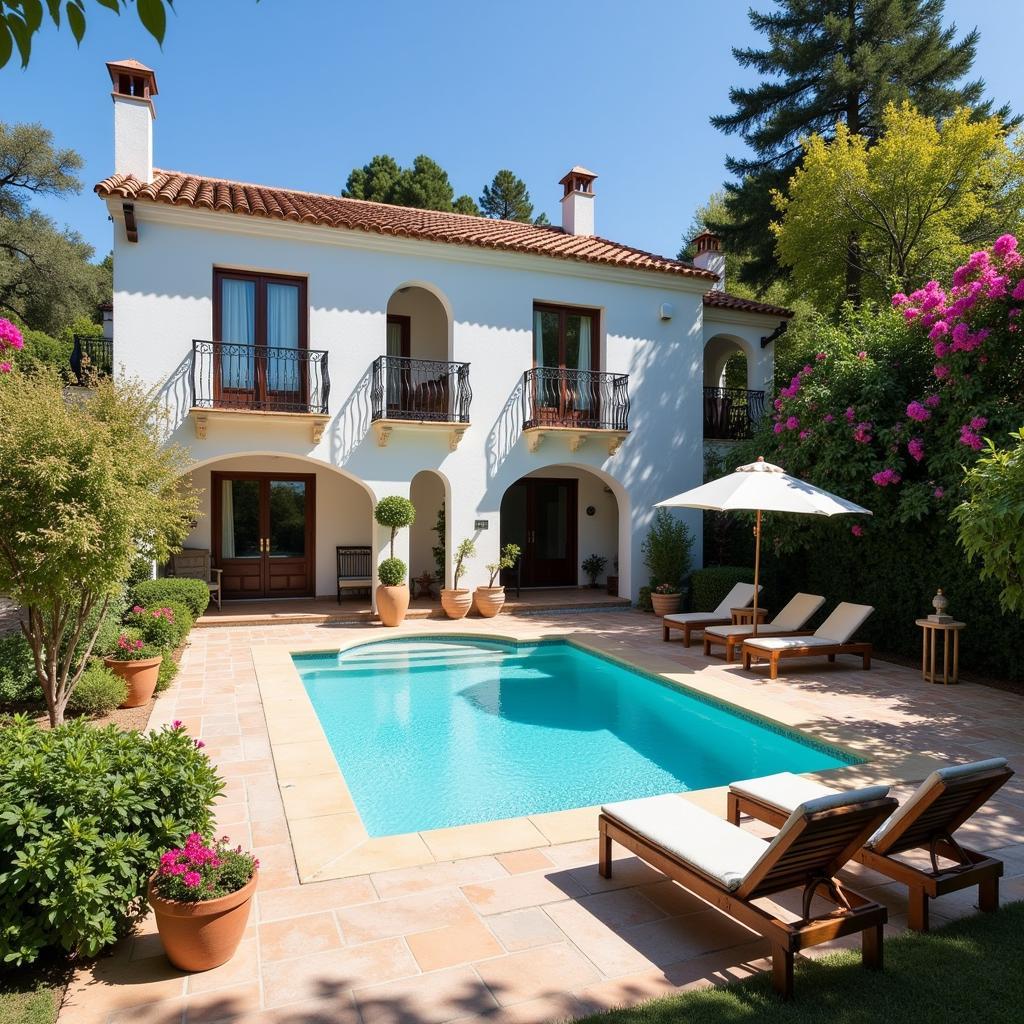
(927, 821)
(832, 637)
(353, 568)
(196, 564)
(741, 595)
(731, 869)
(789, 621)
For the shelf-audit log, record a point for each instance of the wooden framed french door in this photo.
(264, 529)
(540, 515)
(566, 348)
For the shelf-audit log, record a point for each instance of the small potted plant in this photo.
(393, 592)
(137, 664)
(491, 599)
(666, 551)
(201, 895)
(593, 567)
(457, 601)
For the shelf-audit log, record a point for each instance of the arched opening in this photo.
(732, 408)
(281, 526)
(562, 516)
(428, 535)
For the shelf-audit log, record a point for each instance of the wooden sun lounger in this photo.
(927, 821)
(817, 840)
(790, 621)
(741, 595)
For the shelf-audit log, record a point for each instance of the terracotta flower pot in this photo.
(489, 600)
(200, 936)
(665, 604)
(456, 603)
(392, 604)
(141, 677)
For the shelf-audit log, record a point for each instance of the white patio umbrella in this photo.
(761, 487)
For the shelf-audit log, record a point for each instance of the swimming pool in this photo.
(448, 731)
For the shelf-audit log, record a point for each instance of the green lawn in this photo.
(970, 971)
(32, 996)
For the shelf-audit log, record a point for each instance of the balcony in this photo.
(92, 357)
(731, 414)
(581, 403)
(230, 379)
(421, 394)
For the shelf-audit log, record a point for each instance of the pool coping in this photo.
(329, 839)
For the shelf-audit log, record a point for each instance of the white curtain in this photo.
(283, 372)
(227, 521)
(393, 381)
(238, 324)
(538, 338)
(583, 363)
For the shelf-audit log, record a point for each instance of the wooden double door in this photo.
(540, 515)
(264, 526)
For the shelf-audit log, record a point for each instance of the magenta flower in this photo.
(886, 477)
(821, 356)
(792, 423)
(10, 336)
(1004, 245)
(862, 434)
(200, 744)
(1018, 291)
(176, 724)
(916, 411)
(778, 428)
(932, 401)
(939, 493)
(916, 448)
(899, 299)
(192, 879)
(941, 371)
(828, 417)
(850, 414)
(969, 438)
(777, 403)
(5, 367)
(857, 530)
(862, 355)
(979, 423)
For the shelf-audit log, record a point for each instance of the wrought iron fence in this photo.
(420, 389)
(266, 378)
(731, 414)
(92, 355)
(555, 397)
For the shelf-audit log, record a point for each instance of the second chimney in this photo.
(709, 256)
(134, 89)
(578, 202)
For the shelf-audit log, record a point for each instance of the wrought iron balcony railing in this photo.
(92, 356)
(262, 378)
(731, 414)
(420, 389)
(587, 399)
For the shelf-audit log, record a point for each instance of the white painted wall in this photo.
(163, 300)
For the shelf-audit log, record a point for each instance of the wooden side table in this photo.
(929, 636)
(745, 616)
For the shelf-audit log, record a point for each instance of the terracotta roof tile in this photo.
(177, 189)
(723, 300)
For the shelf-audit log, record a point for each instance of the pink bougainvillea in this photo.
(10, 339)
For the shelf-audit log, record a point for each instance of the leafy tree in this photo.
(916, 202)
(20, 20)
(466, 204)
(424, 186)
(86, 487)
(46, 277)
(506, 198)
(374, 181)
(829, 61)
(541, 220)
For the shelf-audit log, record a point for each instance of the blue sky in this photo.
(297, 92)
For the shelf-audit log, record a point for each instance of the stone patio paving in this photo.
(527, 935)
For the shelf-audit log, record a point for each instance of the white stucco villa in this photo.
(318, 353)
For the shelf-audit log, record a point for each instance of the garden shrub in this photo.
(84, 815)
(710, 585)
(666, 550)
(98, 692)
(18, 683)
(168, 670)
(194, 594)
(162, 625)
(106, 638)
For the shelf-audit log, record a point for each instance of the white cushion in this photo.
(713, 846)
(909, 806)
(784, 791)
(740, 596)
(784, 643)
(843, 622)
(797, 611)
(695, 617)
(744, 629)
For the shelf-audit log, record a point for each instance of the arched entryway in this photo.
(733, 404)
(428, 535)
(560, 516)
(274, 525)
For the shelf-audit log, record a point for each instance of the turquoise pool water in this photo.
(438, 732)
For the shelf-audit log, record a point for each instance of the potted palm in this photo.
(491, 599)
(457, 601)
(593, 567)
(666, 553)
(201, 895)
(393, 512)
(137, 664)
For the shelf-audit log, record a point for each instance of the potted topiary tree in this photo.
(393, 512)
(666, 551)
(593, 567)
(457, 601)
(491, 599)
(137, 664)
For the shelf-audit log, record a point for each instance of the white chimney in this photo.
(578, 202)
(134, 89)
(709, 256)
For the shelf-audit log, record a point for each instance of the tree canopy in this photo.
(506, 198)
(908, 208)
(827, 62)
(424, 185)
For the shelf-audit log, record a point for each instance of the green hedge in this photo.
(84, 815)
(19, 686)
(98, 692)
(709, 586)
(153, 593)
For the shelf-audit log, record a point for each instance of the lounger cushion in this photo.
(724, 630)
(789, 643)
(717, 849)
(909, 806)
(739, 597)
(797, 611)
(784, 791)
(695, 617)
(844, 621)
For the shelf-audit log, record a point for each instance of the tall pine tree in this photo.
(506, 198)
(827, 61)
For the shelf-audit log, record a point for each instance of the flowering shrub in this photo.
(11, 340)
(665, 588)
(164, 625)
(130, 646)
(200, 871)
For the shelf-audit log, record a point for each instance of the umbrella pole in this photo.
(757, 564)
